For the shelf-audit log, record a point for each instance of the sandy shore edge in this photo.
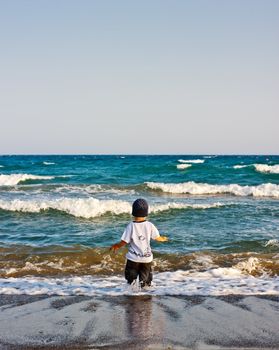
(139, 322)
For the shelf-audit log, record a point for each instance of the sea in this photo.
(59, 215)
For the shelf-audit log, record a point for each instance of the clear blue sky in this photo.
(196, 76)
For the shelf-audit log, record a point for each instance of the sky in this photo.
(139, 77)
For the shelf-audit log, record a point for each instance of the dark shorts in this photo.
(143, 270)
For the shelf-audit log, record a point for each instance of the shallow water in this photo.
(59, 215)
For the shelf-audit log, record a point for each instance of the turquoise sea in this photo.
(59, 215)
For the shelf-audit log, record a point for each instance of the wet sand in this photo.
(139, 322)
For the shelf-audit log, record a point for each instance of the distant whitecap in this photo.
(183, 166)
(14, 179)
(264, 168)
(48, 163)
(240, 166)
(193, 161)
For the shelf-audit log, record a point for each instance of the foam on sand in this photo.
(92, 207)
(216, 281)
(264, 168)
(14, 179)
(194, 188)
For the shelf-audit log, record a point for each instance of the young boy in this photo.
(138, 234)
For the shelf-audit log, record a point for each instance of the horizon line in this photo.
(137, 154)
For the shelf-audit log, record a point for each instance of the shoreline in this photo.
(139, 322)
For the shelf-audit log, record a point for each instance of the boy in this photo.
(138, 234)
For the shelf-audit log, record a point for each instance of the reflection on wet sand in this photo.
(138, 312)
(138, 322)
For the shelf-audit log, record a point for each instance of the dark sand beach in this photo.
(139, 322)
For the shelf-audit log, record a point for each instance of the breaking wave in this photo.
(14, 179)
(272, 243)
(21, 260)
(92, 207)
(264, 168)
(94, 271)
(193, 188)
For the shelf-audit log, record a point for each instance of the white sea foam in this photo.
(263, 190)
(211, 280)
(14, 179)
(183, 166)
(272, 243)
(250, 265)
(193, 161)
(204, 261)
(92, 207)
(169, 206)
(240, 166)
(264, 168)
(48, 163)
(92, 189)
(217, 281)
(80, 207)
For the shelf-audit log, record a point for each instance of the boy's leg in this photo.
(131, 271)
(145, 274)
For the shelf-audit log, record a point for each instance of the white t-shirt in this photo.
(138, 235)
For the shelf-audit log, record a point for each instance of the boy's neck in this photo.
(139, 218)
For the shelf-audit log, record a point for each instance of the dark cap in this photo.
(140, 208)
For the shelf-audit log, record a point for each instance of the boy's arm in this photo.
(118, 245)
(161, 239)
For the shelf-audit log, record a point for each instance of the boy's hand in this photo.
(116, 246)
(162, 239)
